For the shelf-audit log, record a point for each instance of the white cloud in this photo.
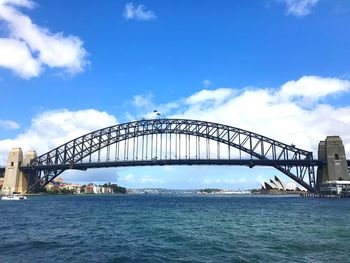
(206, 83)
(149, 179)
(97, 176)
(130, 178)
(217, 96)
(16, 56)
(312, 88)
(36, 46)
(53, 128)
(9, 125)
(138, 13)
(143, 101)
(139, 180)
(299, 7)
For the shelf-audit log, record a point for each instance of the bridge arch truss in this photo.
(172, 142)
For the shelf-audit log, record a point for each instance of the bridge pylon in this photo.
(335, 167)
(15, 180)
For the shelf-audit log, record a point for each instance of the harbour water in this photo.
(170, 228)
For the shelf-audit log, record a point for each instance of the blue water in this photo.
(174, 229)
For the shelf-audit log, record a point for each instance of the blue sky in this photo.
(82, 65)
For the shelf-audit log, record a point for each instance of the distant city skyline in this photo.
(275, 67)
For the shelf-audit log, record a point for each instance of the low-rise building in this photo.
(95, 189)
(75, 188)
(59, 180)
(60, 186)
(335, 188)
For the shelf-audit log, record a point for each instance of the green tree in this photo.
(117, 189)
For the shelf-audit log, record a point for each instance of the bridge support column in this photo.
(29, 178)
(25, 179)
(15, 180)
(12, 173)
(336, 169)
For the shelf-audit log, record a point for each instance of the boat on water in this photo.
(14, 196)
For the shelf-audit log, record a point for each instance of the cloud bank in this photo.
(55, 127)
(26, 49)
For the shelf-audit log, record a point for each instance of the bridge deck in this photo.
(154, 162)
(84, 166)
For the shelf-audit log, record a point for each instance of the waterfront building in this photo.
(90, 189)
(335, 188)
(59, 185)
(75, 188)
(59, 180)
(95, 189)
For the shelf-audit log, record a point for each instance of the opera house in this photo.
(277, 186)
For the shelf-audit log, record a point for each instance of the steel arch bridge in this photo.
(171, 142)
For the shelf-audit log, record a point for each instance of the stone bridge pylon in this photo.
(15, 180)
(335, 166)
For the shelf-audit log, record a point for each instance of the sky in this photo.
(279, 68)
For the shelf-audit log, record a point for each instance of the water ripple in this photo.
(174, 229)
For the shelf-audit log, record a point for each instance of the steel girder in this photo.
(285, 158)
